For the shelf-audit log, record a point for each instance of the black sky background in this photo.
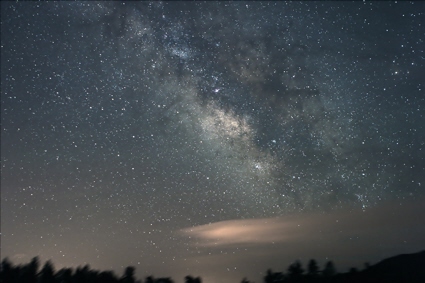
(128, 126)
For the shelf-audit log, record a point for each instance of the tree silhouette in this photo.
(269, 276)
(295, 272)
(329, 270)
(273, 277)
(366, 265)
(82, 274)
(7, 271)
(151, 279)
(29, 272)
(64, 275)
(47, 274)
(107, 277)
(128, 276)
(164, 280)
(313, 268)
(244, 280)
(190, 279)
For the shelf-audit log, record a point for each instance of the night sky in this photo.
(212, 139)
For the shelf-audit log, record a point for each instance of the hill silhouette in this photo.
(404, 268)
(401, 268)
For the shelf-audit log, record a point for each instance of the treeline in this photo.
(404, 268)
(296, 273)
(30, 273)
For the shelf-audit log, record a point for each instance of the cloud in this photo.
(340, 232)
(247, 231)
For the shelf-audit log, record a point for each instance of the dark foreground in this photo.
(406, 268)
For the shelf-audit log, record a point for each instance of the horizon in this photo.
(304, 268)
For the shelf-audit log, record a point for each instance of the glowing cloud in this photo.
(338, 230)
(248, 231)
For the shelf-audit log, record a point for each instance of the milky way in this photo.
(135, 120)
